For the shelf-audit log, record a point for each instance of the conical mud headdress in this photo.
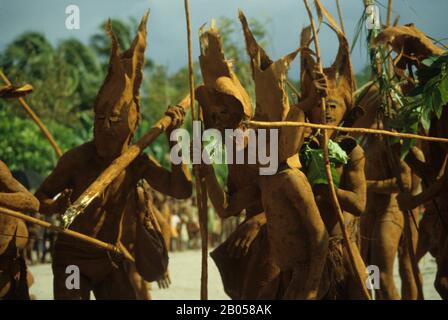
(119, 94)
(272, 102)
(222, 97)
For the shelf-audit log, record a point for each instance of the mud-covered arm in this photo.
(388, 186)
(407, 178)
(407, 201)
(353, 197)
(13, 195)
(175, 183)
(416, 161)
(307, 104)
(232, 203)
(58, 181)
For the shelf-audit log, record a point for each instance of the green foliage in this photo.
(425, 102)
(314, 165)
(434, 92)
(24, 147)
(67, 77)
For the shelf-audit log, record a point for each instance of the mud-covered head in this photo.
(340, 81)
(410, 44)
(117, 104)
(224, 101)
(272, 103)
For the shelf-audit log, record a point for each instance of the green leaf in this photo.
(443, 88)
(429, 61)
(313, 160)
(437, 105)
(336, 153)
(425, 120)
(406, 147)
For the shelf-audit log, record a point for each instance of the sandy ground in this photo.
(185, 276)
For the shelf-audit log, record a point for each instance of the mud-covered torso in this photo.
(324, 204)
(241, 176)
(102, 217)
(10, 226)
(378, 168)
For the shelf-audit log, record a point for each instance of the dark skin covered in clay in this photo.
(383, 223)
(116, 118)
(412, 46)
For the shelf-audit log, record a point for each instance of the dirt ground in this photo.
(185, 274)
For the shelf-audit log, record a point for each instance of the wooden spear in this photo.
(120, 249)
(334, 199)
(201, 192)
(279, 124)
(341, 20)
(117, 166)
(35, 118)
(389, 13)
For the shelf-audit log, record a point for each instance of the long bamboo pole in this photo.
(341, 19)
(35, 118)
(98, 243)
(278, 124)
(389, 12)
(201, 192)
(333, 195)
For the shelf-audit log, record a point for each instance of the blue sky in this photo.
(166, 26)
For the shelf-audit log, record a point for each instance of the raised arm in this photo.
(353, 197)
(13, 195)
(177, 182)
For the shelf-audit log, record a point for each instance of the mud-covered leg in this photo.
(441, 282)
(409, 289)
(386, 238)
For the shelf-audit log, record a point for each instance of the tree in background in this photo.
(68, 76)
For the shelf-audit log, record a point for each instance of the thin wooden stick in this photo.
(333, 195)
(35, 118)
(390, 62)
(279, 124)
(98, 243)
(389, 13)
(341, 20)
(201, 192)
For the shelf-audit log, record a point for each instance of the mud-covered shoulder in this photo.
(79, 155)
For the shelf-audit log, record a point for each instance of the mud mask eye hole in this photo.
(332, 106)
(115, 118)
